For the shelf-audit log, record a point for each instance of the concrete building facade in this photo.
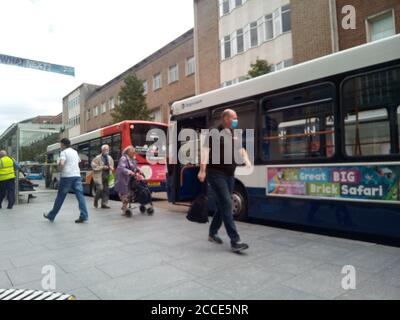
(251, 29)
(73, 108)
(168, 75)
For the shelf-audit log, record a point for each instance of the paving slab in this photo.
(167, 257)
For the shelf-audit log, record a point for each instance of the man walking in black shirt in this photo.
(218, 165)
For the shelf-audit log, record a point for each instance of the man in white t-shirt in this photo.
(70, 180)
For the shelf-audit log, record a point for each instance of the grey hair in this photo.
(127, 149)
(105, 146)
(3, 153)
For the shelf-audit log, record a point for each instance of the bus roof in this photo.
(370, 54)
(99, 132)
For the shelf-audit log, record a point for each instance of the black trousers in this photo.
(7, 187)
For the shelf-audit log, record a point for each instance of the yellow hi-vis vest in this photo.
(7, 171)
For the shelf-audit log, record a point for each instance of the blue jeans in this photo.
(223, 188)
(7, 187)
(67, 184)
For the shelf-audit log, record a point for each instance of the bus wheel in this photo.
(239, 204)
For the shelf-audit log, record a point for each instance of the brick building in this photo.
(317, 25)
(232, 34)
(206, 45)
(167, 75)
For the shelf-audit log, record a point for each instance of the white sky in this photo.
(100, 38)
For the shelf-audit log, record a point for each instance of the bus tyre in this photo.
(239, 204)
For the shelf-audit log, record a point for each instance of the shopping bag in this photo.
(111, 180)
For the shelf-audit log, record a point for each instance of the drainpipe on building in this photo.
(334, 26)
(196, 51)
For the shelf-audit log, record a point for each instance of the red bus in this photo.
(118, 137)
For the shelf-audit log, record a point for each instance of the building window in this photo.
(288, 63)
(238, 3)
(253, 34)
(227, 47)
(239, 41)
(190, 66)
(173, 73)
(145, 87)
(111, 103)
(277, 22)
(96, 111)
(157, 82)
(157, 115)
(103, 107)
(279, 66)
(381, 26)
(286, 21)
(269, 27)
(74, 102)
(225, 8)
(88, 114)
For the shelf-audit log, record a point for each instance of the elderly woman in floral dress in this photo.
(127, 167)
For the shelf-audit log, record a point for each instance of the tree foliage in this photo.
(132, 102)
(259, 68)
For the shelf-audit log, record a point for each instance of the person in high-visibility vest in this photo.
(7, 179)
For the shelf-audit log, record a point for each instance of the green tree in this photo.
(132, 104)
(259, 68)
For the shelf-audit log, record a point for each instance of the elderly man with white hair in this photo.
(102, 166)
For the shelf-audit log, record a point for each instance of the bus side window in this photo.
(83, 151)
(299, 124)
(115, 150)
(95, 146)
(369, 101)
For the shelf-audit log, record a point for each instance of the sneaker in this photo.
(80, 220)
(239, 247)
(46, 216)
(105, 207)
(215, 239)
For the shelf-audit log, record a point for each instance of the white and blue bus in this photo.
(327, 142)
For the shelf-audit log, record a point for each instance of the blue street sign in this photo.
(38, 65)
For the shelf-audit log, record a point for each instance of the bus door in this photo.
(184, 184)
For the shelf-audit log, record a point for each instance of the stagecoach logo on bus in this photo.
(359, 182)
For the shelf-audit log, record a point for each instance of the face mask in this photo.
(235, 123)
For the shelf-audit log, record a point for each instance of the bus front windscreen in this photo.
(150, 140)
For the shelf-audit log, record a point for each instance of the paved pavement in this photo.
(167, 257)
